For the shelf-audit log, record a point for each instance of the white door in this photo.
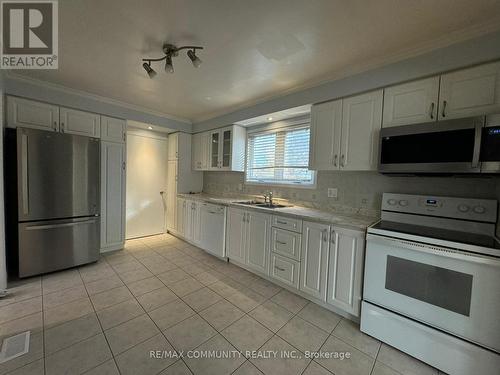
(32, 114)
(257, 241)
(113, 129)
(171, 203)
(361, 123)
(324, 149)
(236, 234)
(314, 259)
(345, 270)
(146, 179)
(112, 195)
(79, 122)
(181, 214)
(470, 92)
(411, 102)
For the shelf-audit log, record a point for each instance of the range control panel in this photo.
(458, 208)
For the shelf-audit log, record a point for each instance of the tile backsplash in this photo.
(358, 192)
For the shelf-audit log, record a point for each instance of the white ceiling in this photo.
(254, 49)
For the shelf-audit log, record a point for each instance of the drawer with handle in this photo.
(285, 242)
(285, 270)
(287, 223)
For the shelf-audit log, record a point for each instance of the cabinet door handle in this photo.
(335, 158)
(332, 236)
(342, 161)
(279, 268)
(281, 222)
(62, 127)
(443, 113)
(280, 242)
(55, 125)
(431, 111)
(325, 236)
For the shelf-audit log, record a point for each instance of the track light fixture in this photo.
(147, 67)
(172, 51)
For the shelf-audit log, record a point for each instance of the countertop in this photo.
(357, 222)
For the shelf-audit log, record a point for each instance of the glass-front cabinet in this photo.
(221, 149)
(214, 150)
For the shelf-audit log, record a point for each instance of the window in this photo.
(279, 157)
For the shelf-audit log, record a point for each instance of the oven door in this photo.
(454, 291)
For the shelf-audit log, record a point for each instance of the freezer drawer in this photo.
(47, 246)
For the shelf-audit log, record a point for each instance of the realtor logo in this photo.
(29, 34)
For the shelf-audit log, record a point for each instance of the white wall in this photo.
(146, 177)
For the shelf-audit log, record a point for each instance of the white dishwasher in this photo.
(213, 229)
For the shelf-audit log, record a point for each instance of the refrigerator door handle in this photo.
(24, 173)
(53, 226)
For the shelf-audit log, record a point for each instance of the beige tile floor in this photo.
(161, 293)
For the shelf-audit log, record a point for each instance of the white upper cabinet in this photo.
(226, 149)
(324, 148)
(361, 123)
(236, 234)
(411, 102)
(76, 122)
(173, 146)
(314, 259)
(113, 129)
(257, 243)
(345, 269)
(470, 92)
(201, 142)
(32, 114)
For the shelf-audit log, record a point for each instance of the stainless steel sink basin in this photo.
(262, 204)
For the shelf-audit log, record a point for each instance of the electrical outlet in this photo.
(332, 192)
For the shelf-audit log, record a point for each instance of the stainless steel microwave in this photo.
(466, 145)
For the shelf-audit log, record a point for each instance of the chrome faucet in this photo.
(268, 198)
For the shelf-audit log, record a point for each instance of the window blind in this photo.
(279, 157)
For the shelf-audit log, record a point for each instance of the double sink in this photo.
(262, 204)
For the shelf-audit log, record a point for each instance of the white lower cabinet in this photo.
(257, 241)
(236, 234)
(285, 270)
(345, 269)
(248, 235)
(112, 195)
(314, 259)
(192, 221)
(181, 214)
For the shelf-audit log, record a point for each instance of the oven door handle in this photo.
(432, 249)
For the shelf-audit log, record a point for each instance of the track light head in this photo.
(194, 59)
(147, 67)
(171, 51)
(169, 66)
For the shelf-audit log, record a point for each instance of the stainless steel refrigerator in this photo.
(56, 182)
